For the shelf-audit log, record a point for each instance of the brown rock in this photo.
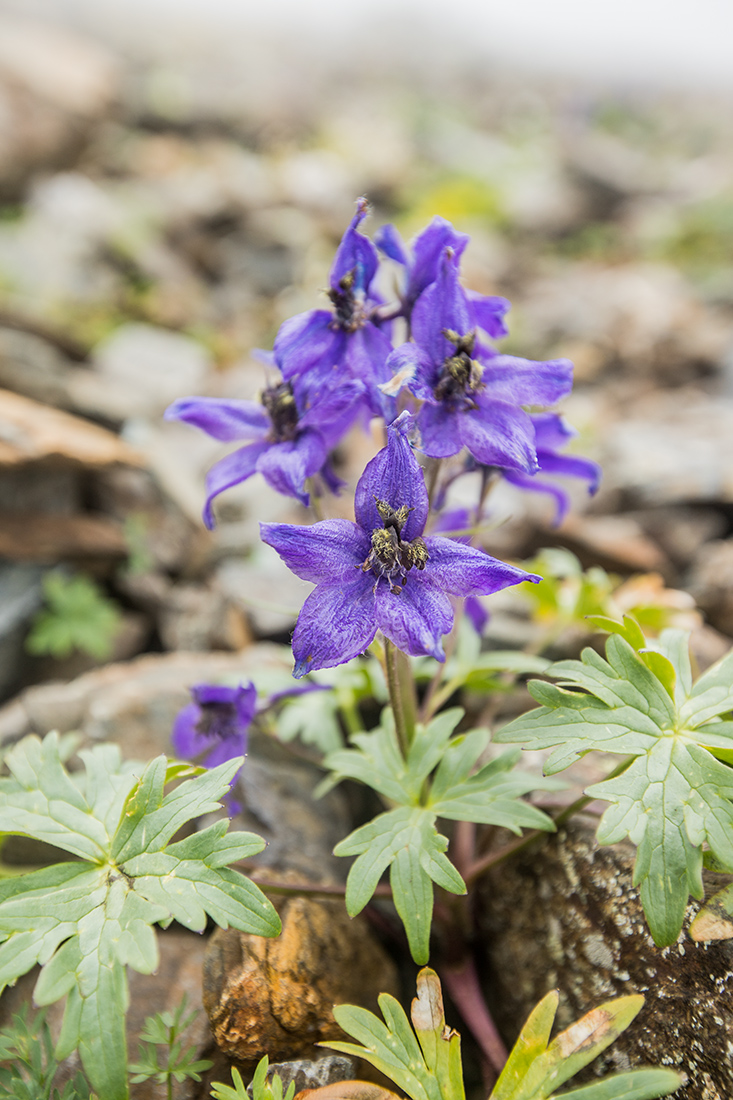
(50, 539)
(276, 996)
(565, 915)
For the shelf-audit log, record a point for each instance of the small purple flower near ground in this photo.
(349, 339)
(380, 573)
(472, 397)
(291, 430)
(552, 433)
(216, 724)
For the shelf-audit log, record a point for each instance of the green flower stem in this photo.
(402, 696)
(491, 859)
(315, 500)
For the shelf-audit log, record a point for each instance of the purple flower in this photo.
(215, 723)
(471, 395)
(380, 573)
(292, 433)
(422, 264)
(551, 434)
(347, 339)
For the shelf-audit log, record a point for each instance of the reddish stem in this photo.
(465, 992)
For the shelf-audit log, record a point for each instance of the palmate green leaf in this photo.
(674, 797)
(407, 841)
(636, 1084)
(532, 1042)
(85, 921)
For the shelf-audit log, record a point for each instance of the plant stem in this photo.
(315, 500)
(402, 696)
(305, 889)
(465, 992)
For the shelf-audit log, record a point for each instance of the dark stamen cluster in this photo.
(460, 375)
(349, 310)
(218, 720)
(390, 556)
(280, 404)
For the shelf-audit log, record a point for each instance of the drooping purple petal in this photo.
(187, 740)
(395, 477)
(477, 614)
(330, 478)
(488, 312)
(442, 306)
(571, 466)
(331, 412)
(537, 485)
(221, 418)
(336, 623)
(285, 466)
(306, 341)
(462, 570)
(439, 427)
(427, 249)
(408, 365)
(226, 749)
(498, 434)
(230, 471)
(416, 618)
(526, 382)
(365, 357)
(552, 431)
(390, 242)
(329, 552)
(356, 254)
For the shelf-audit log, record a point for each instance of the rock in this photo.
(51, 539)
(565, 915)
(30, 432)
(54, 86)
(616, 543)
(21, 595)
(711, 583)
(33, 367)
(308, 1074)
(276, 996)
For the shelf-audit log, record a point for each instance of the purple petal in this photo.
(285, 466)
(335, 624)
(220, 694)
(439, 431)
(365, 357)
(526, 382)
(409, 365)
(571, 466)
(443, 305)
(328, 552)
(427, 249)
(395, 477)
(236, 467)
(306, 341)
(390, 242)
(477, 614)
(221, 418)
(552, 431)
(355, 253)
(536, 485)
(488, 313)
(462, 570)
(332, 412)
(330, 478)
(498, 434)
(188, 741)
(416, 618)
(227, 749)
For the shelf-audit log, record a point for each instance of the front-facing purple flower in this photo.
(214, 727)
(380, 573)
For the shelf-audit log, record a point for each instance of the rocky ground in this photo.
(149, 240)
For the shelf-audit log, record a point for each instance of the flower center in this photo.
(219, 720)
(390, 556)
(460, 375)
(350, 314)
(280, 404)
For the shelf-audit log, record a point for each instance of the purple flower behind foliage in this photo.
(472, 397)
(291, 431)
(422, 264)
(551, 434)
(380, 573)
(214, 726)
(347, 340)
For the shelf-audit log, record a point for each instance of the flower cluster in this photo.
(443, 390)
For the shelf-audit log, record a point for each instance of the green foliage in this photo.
(674, 796)
(406, 839)
(317, 717)
(426, 1063)
(165, 1029)
(27, 1046)
(567, 594)
(262, 1089)
(77, 616)
(84, 921)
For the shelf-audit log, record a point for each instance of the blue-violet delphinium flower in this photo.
(348, 339)
(380, 573)
(216, 723)
(472, 396)
(291, 431)
(551, 434)
(422, 263)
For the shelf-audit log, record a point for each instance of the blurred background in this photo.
(174, 178)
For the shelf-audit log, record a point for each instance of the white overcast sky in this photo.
(668, 42)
